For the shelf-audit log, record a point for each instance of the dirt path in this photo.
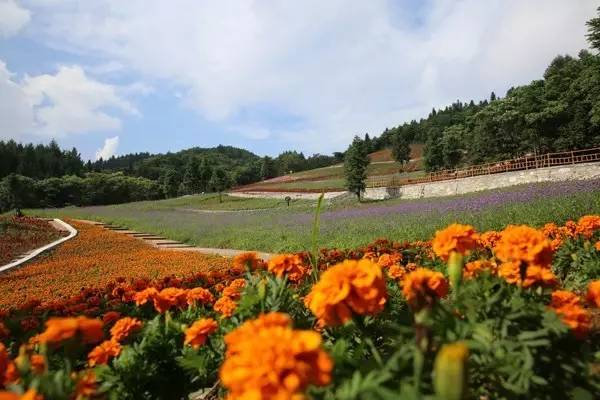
(164, 243)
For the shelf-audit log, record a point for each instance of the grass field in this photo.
(269, 225)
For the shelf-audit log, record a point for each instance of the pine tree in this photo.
(593, 35)
(356, 162)
(267, 168)
(400, 148)
(191, 177)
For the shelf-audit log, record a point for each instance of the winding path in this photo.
(58, 225)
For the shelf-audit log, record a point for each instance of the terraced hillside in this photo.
(331, 178)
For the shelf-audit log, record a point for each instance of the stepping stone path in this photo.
(164, 243)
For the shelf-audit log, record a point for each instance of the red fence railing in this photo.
(516, 164)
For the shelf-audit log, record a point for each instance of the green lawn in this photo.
(269, 225)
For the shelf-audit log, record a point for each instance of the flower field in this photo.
(94, 258)
(22, 234)
(505, 314)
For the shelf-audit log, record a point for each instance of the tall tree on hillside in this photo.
(593, 35)
(451, 146)
(401, 148)
(267, 168)
(191, 179)
(204, 174)
(219, 181)
(433, 155)
(356, 162)
(170, 182)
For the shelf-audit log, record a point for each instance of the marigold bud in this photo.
(450, 372)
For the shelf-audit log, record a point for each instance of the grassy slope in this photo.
(276, 228)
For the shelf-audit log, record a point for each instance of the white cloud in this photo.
(342, 67)
(109, 149)
(13, 18)
(58, 105)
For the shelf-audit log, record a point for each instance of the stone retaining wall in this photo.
(486, 182)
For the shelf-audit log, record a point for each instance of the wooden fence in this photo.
(516, 164)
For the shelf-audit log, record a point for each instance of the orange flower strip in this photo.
(125, 327)
(267, 359)
(199, 296)
(588, 225)
(247, 261)
(225, 306)
(197, 334)
(104, 352)
(94, 258)
(290, 265)
(455, 238)
(350, 287)
(568, 306)
(423, 287)
(523, 244)
(593, 293)
(60, 329)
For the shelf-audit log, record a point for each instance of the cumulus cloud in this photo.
(343, 67)
(13, 18)
(60, 104)
(109, 149)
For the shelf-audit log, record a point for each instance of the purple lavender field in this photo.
(347, 223)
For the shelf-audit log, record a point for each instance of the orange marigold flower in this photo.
(199, 295)
(267, 359)
(145, 296)
(169, 298)
(225, 306)
(102, 353)
(352, 286)
(396, 272)
(568, 306)
(388, 260)
(234, 289)
(59, 329)
(196, 334)
(290, 265)
(423, 287)
(593, 293)
(489, 239)
(125, 327)
(11, 374)
(523, 244)
(110, 317)
(474, 268)
(248, 260)
(588, 224)
(455, 238)
(38, 364)
(597, 245)
(4, 332)
(528, 276)
(31, 394)
(86, 385)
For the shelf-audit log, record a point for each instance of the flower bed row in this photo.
(93, 259)
(496, 315)
(21, 234)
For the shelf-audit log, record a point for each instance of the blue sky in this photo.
(113, 77)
